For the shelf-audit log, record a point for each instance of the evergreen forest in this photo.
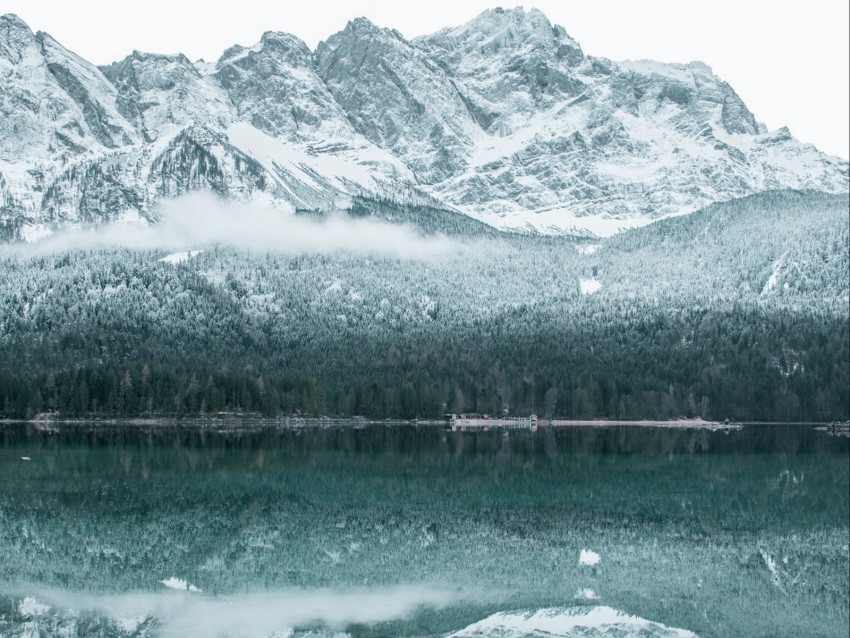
(737, 311)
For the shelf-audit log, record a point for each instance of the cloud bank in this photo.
(249, 615)
(201, 220)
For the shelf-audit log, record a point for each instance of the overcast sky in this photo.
(788, 59)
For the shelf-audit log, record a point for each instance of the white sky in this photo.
(788, 59)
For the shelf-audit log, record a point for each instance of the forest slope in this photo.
(739, 311)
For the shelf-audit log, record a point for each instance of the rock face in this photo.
(53, 104)
(504, 118)
(398, 99)
(160, 94)
(275, 88)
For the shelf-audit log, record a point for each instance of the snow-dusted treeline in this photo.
(740, 310)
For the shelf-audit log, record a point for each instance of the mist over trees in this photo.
(739, 310)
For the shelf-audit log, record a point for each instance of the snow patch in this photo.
(586, 594)
(335, 286)
(315, 168)
(770, 563)
(177, 258)
(130, 624)
(179, 583)
(589, 286)
(774, 275)
(587, 249)
(588, 557)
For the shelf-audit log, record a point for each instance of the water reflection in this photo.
(715, 532)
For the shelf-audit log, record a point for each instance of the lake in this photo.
(379, 530)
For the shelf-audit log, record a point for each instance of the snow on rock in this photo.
(132, 624)
(571, 140)
(559, 220)
(334, 286)
(161, 94)
(398, 98)
(317, 175)
(776, 271)
(770, 563)
(589, 558)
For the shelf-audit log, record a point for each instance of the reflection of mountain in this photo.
(568, 622)
(504, 118)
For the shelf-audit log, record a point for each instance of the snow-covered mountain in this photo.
(570, 135)
(504, 118)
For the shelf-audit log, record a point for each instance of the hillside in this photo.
(739, 311)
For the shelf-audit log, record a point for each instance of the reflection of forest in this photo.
(739, 469)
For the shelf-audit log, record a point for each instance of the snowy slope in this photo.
(573, 141)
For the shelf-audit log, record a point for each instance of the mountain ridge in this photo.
(505, 119)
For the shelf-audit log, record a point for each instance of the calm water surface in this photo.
(405, 531)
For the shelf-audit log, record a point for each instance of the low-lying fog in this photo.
(201, 220)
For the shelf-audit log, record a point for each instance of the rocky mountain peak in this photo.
(151, 71)
(363, 27)
(495, 21)
(15, 36)
(287, 43)
(159, 94)
(694, 88)
(397, 98)
(53, 104)
(507, 63)
(281, 46)
(499, 29)
(274, 86)
(12, 21)
(93, 94)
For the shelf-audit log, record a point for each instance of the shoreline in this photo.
(220, 422)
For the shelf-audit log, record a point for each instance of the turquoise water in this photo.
(406, 531)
